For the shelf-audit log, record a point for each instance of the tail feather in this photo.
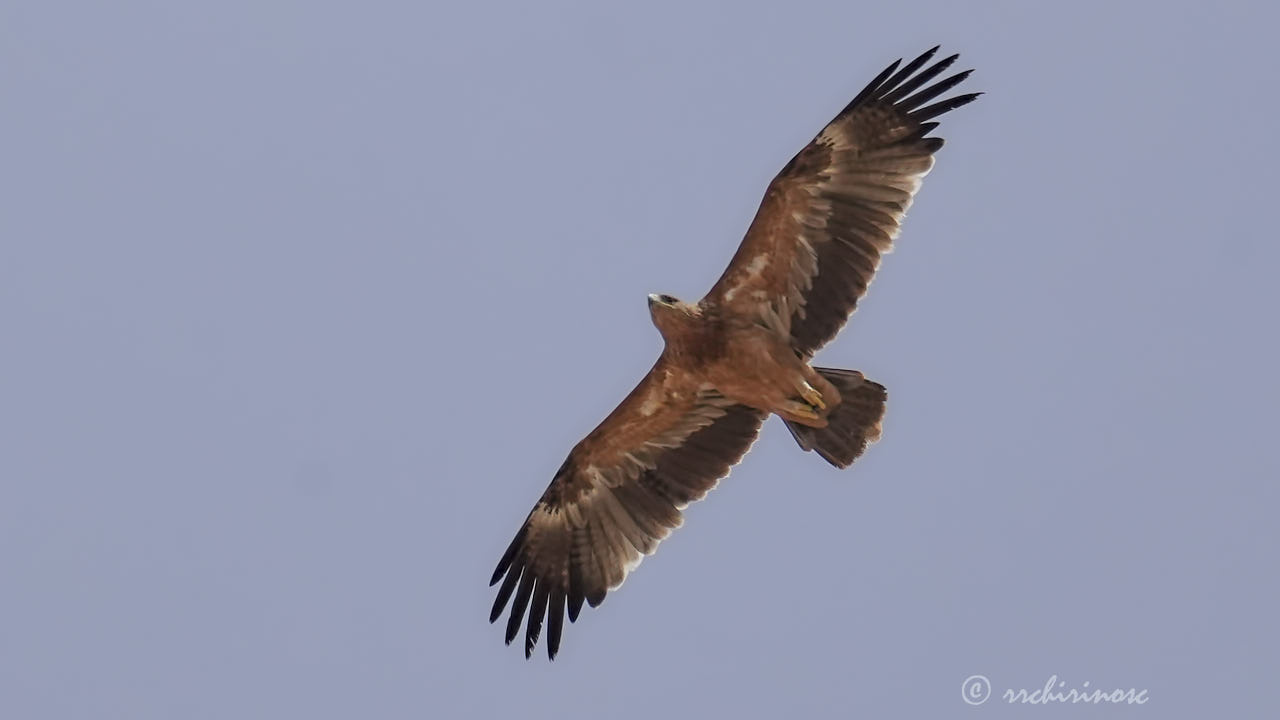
(852, 425)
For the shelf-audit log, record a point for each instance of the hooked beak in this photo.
(654, 300)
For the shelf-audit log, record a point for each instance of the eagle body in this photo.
(747, 359)
(740, 354)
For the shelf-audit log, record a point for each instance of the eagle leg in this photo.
(801, 412)
(812, 396)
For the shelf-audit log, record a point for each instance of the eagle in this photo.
(736, 356)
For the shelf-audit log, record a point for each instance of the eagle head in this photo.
(669, 313)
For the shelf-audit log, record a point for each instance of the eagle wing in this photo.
(616, 496)
(826, 219)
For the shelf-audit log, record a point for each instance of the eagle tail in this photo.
(852, 425)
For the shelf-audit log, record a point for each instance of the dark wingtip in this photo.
(555, 622)
(508, 555)
(504, 594)
(537, 610)
(519, 606)
(939, 108)
(872, 86)
(931, 92)
(908, 85)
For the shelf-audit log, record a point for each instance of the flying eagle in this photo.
(737, 356)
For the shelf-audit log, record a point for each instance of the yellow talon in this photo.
(802, 410)
(812, 396)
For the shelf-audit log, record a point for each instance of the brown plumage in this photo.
(735, 357)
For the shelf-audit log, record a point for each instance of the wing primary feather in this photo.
(600, 544)
(575, 586)
(910, 67)
(933, 91)
(507, 556)
(518, 607)
(920, 132)
(575, 605)
(536, 612)
(916, 82)
(948, 105)
(555, 622)
(871, 87)
(504, 593)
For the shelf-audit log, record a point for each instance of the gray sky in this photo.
(302, 304)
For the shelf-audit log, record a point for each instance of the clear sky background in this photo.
(302, 304)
